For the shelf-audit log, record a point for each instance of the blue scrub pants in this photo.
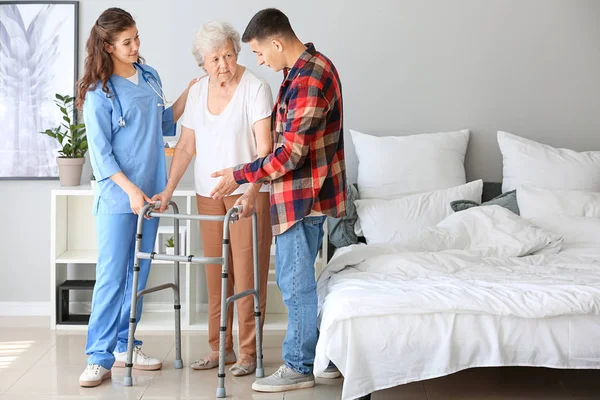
(111, 303)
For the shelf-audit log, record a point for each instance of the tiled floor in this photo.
(37, 363)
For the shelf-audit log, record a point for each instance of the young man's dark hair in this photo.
(266, 24)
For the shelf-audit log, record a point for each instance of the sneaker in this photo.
(93, 375)
(331, 372)
(140, 360)
(284, 379)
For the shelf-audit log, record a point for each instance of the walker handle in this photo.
(155, 206)
(236, 211)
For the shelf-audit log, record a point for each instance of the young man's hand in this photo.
(226, 185)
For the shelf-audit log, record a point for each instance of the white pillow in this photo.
(526, 162)
(390, 221)
(491, 231)
(573, 214)
(393, 166)
(539, 202)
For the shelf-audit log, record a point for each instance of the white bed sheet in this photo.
(458, 296)
(375, 353)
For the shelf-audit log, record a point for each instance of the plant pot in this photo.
(93, 184)
(69, 170)
(170, 250)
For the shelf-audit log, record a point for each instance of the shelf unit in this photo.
(73, 245)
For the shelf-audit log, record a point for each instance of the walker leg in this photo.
(177, 306)
(128, 381)
(260, 372)
(178, 360)
(223, 325)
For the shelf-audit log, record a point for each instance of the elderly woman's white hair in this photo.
(213, 35)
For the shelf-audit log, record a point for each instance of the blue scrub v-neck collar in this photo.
(141, 79)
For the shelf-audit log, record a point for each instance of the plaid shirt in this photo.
(306, 169)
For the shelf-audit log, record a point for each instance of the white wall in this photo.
(531, 67)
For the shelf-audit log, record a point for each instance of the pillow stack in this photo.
(406, 183)
(409, 183)
(556, 189)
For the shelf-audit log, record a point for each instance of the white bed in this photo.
(460, 295)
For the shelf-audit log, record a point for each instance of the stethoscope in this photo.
(147, 76)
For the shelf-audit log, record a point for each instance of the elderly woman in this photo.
(227, 122)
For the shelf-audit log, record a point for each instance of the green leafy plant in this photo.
(71, 137)
(170, 242)
(92, 177)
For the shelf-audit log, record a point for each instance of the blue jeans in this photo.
(108, 328)
(296, 251)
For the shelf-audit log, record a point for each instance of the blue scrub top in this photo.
(137, 149)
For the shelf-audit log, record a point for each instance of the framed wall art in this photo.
(38, 59)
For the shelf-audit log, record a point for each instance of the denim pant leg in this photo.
(296, 251)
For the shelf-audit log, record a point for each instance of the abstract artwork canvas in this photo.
(38, 58)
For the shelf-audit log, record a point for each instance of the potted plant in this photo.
(73, 140)
(93, 181)
(170, 246)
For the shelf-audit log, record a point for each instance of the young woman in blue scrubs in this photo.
(125, 116)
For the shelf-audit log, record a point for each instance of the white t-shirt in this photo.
(227, 139)
(134, 78)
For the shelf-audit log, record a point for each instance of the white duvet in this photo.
(485, 261)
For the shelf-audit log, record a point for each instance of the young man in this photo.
(308, 181)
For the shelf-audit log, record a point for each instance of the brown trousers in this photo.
(241, 272)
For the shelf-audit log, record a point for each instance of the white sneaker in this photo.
(93, 375)
(140, 360)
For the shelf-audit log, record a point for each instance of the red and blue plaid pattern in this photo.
(306, 169)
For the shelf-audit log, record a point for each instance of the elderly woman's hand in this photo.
(248, 203)
(226, 185)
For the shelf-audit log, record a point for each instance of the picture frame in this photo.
(38, 59)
